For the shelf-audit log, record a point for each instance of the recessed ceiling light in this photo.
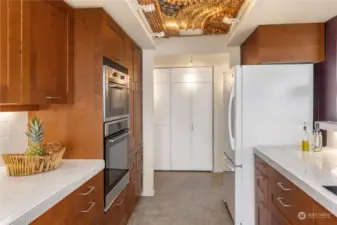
(171, 24)
(147, 8)
(159, 34)
(229, 20)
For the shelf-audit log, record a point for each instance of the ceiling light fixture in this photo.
(229, 20)
(159, 34)
(147, 8)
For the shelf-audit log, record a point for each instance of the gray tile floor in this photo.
(183, 198)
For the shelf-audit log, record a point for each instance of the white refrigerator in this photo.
(268, 105)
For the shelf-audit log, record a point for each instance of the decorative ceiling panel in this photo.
(192, 17)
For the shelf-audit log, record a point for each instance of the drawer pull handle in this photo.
(261, 166)
(119, 203)
(280, 184)
(52, 97)
(281, 202)
(91, 188)
(92, 204)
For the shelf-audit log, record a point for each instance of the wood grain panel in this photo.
(68, 210)
(10, 51)
(286, 43)
(326, 77)
(80, 125)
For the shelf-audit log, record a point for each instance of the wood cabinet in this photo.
(51, 51)
(286, 43)
(83, 207)
(36, 54)
(325, 91)
(280, 202)
(117, 213)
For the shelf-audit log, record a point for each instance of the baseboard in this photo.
(217, 170)
(149, 193)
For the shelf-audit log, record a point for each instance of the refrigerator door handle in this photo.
(231, 138)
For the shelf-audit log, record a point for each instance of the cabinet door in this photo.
(181, 139)
(323, 216)
(10, 51)
(162, 152)
(138, 115)
(162, 103)
(114, 45)
(261, 214)
(202, 126)
(137, 54)
(50, 54)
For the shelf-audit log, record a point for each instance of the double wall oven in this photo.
(116, 129)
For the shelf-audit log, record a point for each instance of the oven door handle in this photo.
(118, 86)
(113, 140)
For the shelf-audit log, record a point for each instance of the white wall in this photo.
(211, 44)
(148, 123)
(220, 63)
(12, 133)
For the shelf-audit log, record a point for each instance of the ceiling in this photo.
(191, 17)
(261, 12)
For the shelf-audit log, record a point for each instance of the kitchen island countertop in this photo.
(307, 170)
(23, 199)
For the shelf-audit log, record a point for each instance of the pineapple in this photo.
(35, 136)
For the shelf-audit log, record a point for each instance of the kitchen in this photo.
(87, 73)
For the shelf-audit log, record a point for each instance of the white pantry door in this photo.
(162, 114)
(181, 135)
(191, 119)
(202, 126)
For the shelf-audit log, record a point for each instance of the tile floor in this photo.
(183, 198)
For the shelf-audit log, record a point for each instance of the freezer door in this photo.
(232, 190)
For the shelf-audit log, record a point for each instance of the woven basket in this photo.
(23, 165)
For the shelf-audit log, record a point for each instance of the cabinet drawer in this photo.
(90, 199)
(261, 184)
(277, 219)
(261, 212)
(69, 210)
(261, 165)
(117, 213)
(289, 200)
(323, 216)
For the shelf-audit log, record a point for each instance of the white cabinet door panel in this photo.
(202, 120)
(181, 126)
(161, 75)
(190, 75)
(162, 149)
(162, 103)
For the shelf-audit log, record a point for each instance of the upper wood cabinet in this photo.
(286, 43)
(36, 52)
(326, 77)
(114, 44)
(50, 56)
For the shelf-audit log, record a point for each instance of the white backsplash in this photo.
(13, 126)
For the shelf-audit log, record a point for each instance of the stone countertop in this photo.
(23, 199)
(307, 170)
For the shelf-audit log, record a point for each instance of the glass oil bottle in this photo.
(318, 140)
(305, 140)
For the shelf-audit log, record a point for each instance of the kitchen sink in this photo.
(333, 189)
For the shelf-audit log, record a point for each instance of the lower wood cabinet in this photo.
(117, 213)
(85, 206)
(280, 202)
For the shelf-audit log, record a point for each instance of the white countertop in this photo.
(23, 199)
(308, 170)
